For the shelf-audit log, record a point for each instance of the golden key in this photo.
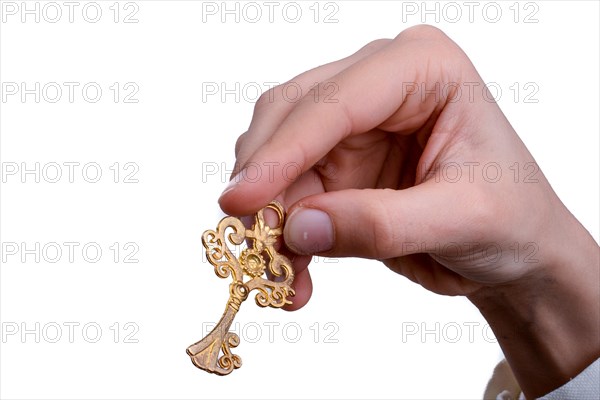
(253, 262)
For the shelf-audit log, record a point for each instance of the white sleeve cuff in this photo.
(585, 386)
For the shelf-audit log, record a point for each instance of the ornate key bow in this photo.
(253, 262)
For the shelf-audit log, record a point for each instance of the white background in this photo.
(176, 134)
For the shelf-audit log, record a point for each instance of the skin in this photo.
(377, 160)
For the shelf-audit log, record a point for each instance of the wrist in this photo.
(548, 322)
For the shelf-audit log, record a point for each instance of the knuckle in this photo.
(382, 230)
(423, 31)
(431, 43)
(267, 98)
(239, 143)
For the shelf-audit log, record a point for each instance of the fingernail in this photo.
(308, 231)
(233, 182)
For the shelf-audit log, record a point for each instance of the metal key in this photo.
(253, 263)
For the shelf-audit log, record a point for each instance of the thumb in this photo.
(368, 223)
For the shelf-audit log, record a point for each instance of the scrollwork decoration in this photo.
(260, 259)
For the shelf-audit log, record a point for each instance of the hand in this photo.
(366, 132)
(400, 154)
